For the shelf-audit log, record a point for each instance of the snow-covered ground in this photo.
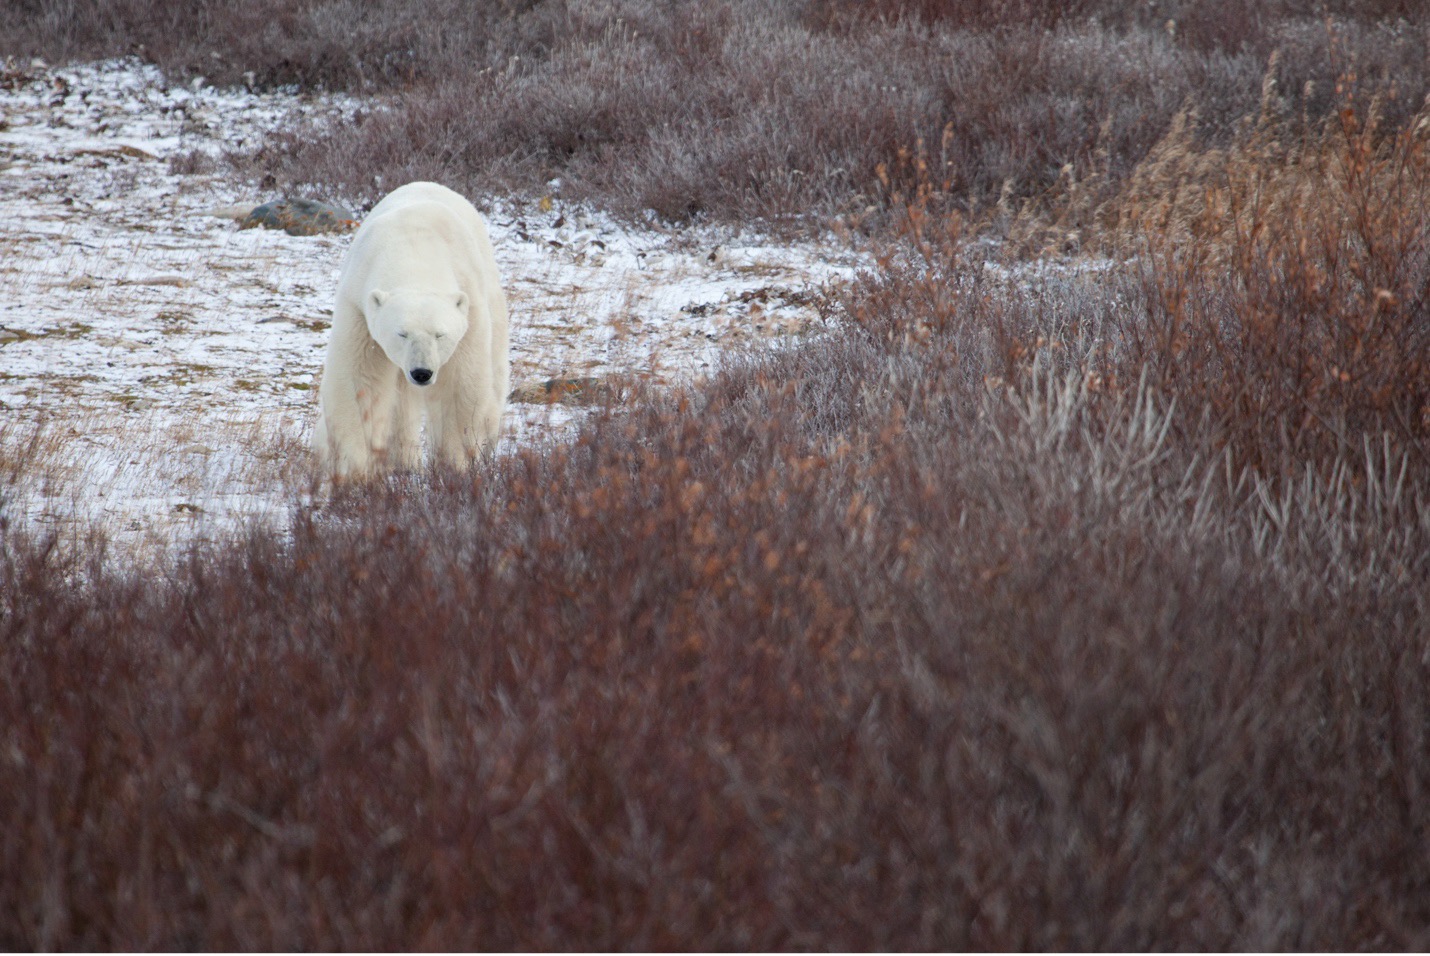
(158, 365)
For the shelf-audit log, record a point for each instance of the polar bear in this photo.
(420, 325)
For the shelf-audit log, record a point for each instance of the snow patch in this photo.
(158, 366)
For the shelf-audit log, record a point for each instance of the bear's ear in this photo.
(461, 302)
(379, 298)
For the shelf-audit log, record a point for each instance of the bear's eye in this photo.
(441, 335)
(402, 335)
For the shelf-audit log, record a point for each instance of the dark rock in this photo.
(567, 391)
(300, 217)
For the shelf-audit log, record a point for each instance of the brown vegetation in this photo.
(743, 109)
(976, 626)
(1053, 607)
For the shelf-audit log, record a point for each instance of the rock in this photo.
(133, 152)
(300, 217)
(567, 391)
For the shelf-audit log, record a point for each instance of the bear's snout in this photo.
(420, 376)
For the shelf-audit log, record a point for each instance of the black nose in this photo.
(421, 375)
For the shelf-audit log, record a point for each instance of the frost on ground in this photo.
(158, 365)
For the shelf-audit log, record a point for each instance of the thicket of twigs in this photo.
(750, 109)
(1058, 606)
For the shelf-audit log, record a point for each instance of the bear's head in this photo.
(419, 331)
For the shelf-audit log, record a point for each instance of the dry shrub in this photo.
(739, 113)
(743, 110)
(337, 44)
(989, 15)
(1286, 284)
(694, 113)
(1034, 608)
(944, 632)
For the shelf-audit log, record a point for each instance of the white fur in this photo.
(419, 290)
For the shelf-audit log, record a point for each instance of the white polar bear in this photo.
(420, 324)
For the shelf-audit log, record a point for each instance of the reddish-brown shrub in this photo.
(1286, 287)
(1037, 607)
(743, 110)
(920, 636)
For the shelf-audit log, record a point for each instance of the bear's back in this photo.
(416, 227)
(420, 193)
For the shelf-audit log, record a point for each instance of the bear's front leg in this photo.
(340, 438)
(378, 409)
(406, 437)
(462, 430)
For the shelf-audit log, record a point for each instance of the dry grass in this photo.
(140, 481)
